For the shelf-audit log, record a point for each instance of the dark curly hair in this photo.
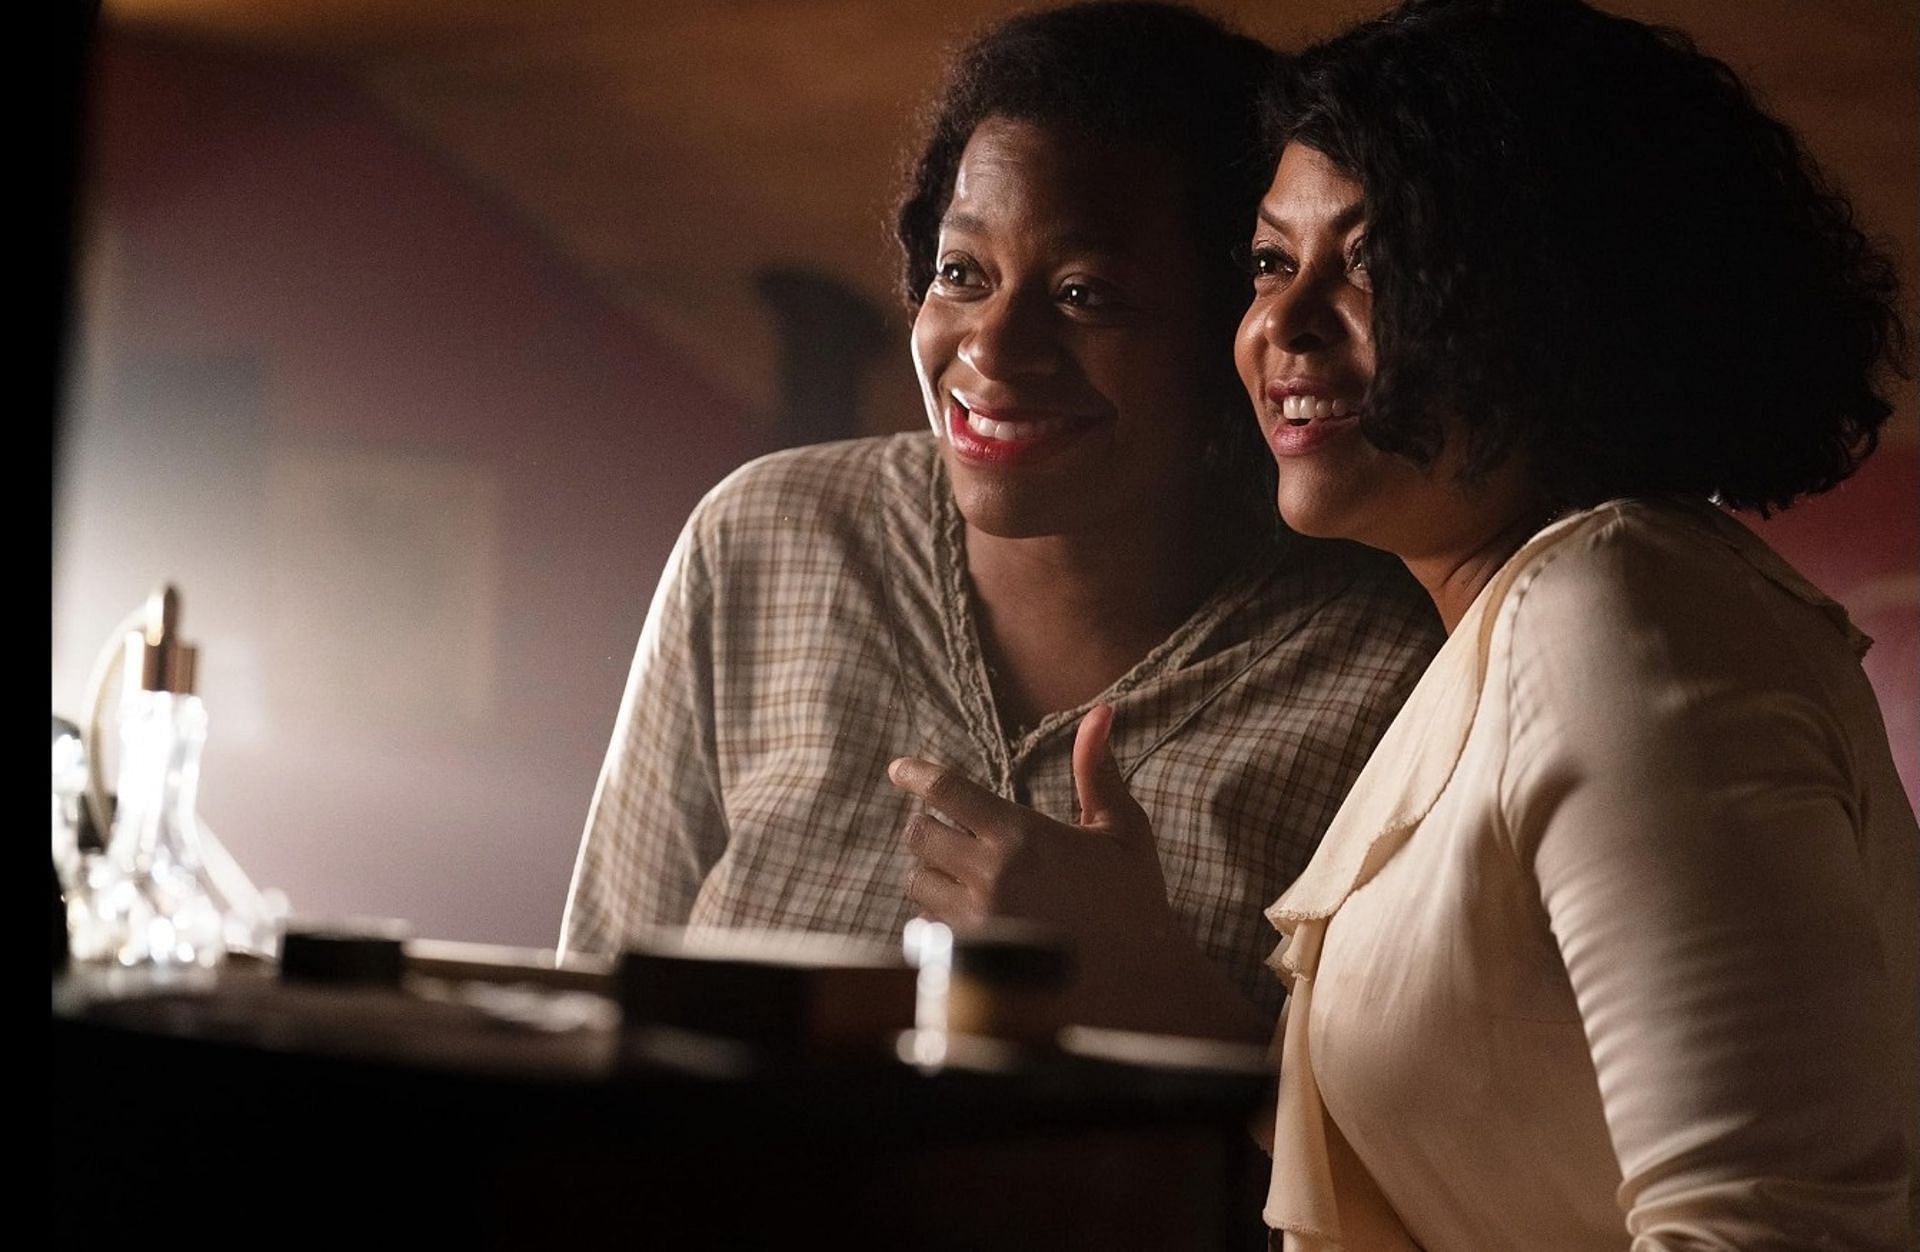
(1121, 73)
(1590, 245)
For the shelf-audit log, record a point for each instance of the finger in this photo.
(954, 853)
(961, 801)
(939, 897)
(1104, 799)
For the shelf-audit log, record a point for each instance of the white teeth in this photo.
(1012, 432)
(1300, 410)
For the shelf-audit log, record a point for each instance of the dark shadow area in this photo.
(830, 335)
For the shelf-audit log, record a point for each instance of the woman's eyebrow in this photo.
(964, 222)
(1079, 239)
(1346, 219)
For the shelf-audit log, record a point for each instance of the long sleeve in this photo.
(656, 825)
(1683, 786)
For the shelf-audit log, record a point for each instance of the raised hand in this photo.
(978, 856)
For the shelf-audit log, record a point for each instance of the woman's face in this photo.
(1059, 346)
(1305, 353)
(1305, 348)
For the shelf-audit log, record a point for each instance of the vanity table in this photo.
(486, 1099)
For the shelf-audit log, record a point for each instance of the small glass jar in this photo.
(1004, 981)
(158, 905)
(1009, 983)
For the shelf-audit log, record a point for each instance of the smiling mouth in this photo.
(1308, 422)
(1018, 430)
(1007, 436)
(1305, 410)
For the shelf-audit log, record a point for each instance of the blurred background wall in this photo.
(406, 332)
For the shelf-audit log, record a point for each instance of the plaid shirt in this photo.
(814, 623)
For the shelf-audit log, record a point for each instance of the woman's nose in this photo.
(1011, 336)
(1301, 319)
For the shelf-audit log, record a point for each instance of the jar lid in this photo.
(1013, 954)
(157, 659)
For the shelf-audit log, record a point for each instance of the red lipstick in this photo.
(1042, 434)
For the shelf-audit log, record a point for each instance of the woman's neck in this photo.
(1062, 617)
(1456, 574)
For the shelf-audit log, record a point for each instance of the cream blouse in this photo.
(1616, 941)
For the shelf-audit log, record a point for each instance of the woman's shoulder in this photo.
(1667, 584)
(1640, 555)
(818, 485)
(1672, 532)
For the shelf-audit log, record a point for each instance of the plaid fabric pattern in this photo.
(813, 624)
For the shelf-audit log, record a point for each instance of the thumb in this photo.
(1105, 801)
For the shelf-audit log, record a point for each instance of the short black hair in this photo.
(1120, 73)
(1589, 244)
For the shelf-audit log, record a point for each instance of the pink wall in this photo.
(291, 315)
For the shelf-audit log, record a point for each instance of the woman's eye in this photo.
(956, 271)
(1267, 261)
(1081, 295)
(1357, 271)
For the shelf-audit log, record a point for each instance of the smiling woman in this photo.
(1087, 524)
(1614, 940)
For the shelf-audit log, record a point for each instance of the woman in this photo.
(1089, 517)
(1615, 940)
(1616, 936)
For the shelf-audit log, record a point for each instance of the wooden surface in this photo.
(294, 1114)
